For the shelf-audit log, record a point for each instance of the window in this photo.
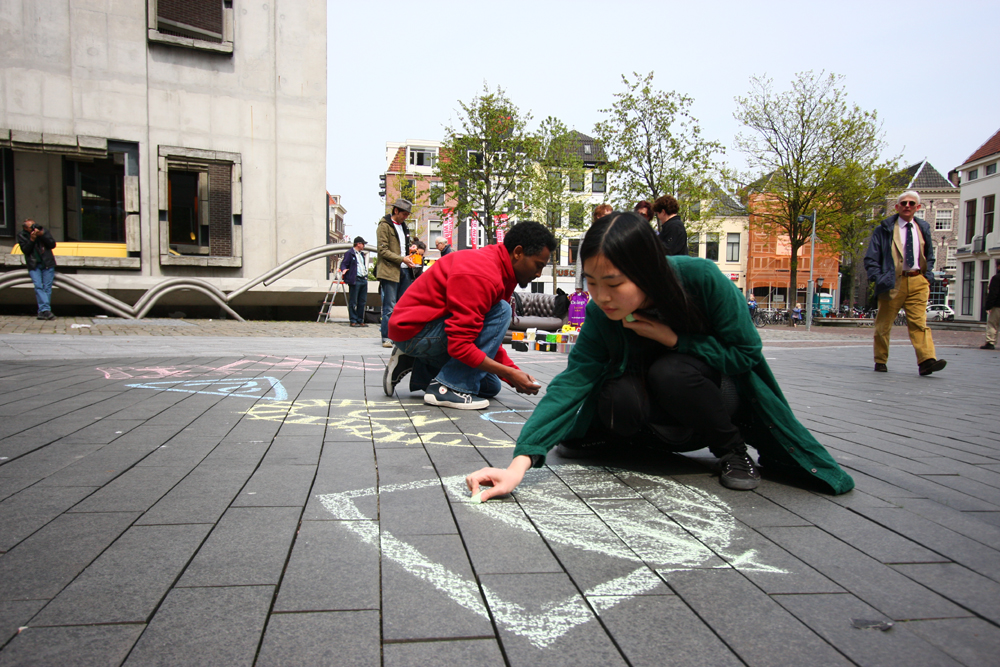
(712, 247)
(732, 247)
(587, 149)
(693, 245)
(942, 221)
(973, 174)
(988, 205)
(553, 216)
(423, 157)
(968, 268)
(950, 263)
(475, 159)
(576, 215)
(199, 24)
(991, 169)
(574, 249)
(970, 221)
(7, 225)
(409, 189)
(537, 287)
(96, 192)
(434, 230)
(576, 182)
(437, 193)
(599, 182)
(200, 207)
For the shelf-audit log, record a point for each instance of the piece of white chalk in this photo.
(477, 498)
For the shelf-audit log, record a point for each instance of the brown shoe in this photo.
(928, 366)
(881, 368)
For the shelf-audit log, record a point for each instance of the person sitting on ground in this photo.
(673, 236)
(449, 326)
(668, 359)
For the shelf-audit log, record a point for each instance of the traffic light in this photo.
(381, 185)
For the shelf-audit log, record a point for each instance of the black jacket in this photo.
(879, 263)
(43, 246)
(993, 293)
(447, 249)
(673, 236)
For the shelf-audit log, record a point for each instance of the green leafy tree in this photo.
(488, 160)
(816, 152)
(656, 148)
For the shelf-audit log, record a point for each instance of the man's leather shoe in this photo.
(987, 346)
(928, 366)
(881, 368)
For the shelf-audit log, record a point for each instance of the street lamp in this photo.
(812, 263)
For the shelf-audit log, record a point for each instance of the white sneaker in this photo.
(387, 343)
(445, 397)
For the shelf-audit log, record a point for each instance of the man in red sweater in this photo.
(449, 326)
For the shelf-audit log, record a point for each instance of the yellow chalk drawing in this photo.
(379, 421)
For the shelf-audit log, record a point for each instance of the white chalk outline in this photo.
(238, 385)
(698, 531)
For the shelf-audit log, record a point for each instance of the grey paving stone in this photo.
(331, 568)
(128, 580)
(40, 566)
(400, 466)
(135, 490)
(349, 638)
(102, 431)
(181, 453)
(15, 614)
(962, 586)
(971, 641)
(428, 590)
(237, 453)
(877, 584)
(95, 645)
(47, 460)
(422, 511)
(294, 450)
(27, 511)
(97, 468)
(660, 629)
(752, 624)
(248, 547)
(479, 652)
(543, 620)
(991, 518)
(501, 548)
(830, 616)
(277, 486)
(206, 626)
(201, 497)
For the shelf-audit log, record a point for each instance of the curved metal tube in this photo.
(153, 293)
(290, 265)
(197, 288)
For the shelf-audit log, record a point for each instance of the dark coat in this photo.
(993, 293)
(673, 236)
(447, 249)
(880, 262)
(43, 245)
(349, 266)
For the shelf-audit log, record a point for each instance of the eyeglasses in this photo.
(908, 203)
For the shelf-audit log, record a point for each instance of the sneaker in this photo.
(49, 315)
(988, 346)
(928, 366)
(41, 316)
(399, 365)
(386, 343)
(881, 368)
(445, 397)
(738, 471)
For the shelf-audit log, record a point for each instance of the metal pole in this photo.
(812, 264)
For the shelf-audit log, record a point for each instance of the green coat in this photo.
(601, 353)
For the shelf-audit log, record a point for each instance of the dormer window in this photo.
(587, 149)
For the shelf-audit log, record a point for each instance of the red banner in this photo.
(501, 227)
(448, 226)
(474, 231)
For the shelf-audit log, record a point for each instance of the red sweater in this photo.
(465, 284)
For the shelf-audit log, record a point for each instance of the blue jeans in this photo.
(357, 296)
(43, 278)
(431, 359)
(391, 292)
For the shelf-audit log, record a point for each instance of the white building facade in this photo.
(978, 233)
(180, 138)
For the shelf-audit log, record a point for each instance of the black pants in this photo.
(678, 393)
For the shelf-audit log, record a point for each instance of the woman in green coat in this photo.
(667, 358)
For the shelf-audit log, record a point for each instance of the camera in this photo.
(37, 226)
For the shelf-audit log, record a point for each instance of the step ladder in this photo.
(337, 286)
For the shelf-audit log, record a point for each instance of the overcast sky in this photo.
(397, 69)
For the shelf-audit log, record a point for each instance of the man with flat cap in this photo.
(354, 270)
(393, 271)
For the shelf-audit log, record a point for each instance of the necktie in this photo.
(910, 262)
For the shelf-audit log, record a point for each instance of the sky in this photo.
(396, 70)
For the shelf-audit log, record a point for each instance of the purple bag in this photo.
(577, 308)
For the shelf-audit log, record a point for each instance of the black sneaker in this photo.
(49, 316)
(446, 397)
(399, 365)
(738, 471)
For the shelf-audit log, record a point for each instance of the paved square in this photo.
(246, 498)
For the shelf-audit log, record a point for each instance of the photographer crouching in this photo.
(37, 244)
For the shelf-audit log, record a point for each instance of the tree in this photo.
(815, 152)
(487, 160)
(656, 147)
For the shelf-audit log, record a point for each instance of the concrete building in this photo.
(167, 138)
(978, 235)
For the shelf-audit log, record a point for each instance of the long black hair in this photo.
(629, 243)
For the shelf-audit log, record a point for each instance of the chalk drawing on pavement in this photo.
(667, 527)
(259, 387)
(380, 421)
(497, 416)
(248, 364)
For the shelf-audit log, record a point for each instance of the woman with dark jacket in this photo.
(667, 358)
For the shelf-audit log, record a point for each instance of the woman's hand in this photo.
(652, 329)
(501, 481)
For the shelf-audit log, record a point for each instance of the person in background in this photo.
(36, 244)
(645, 209)
(600, 211)
(393, 270)
(417, 251)
(992, 306)
(354, 270)
(752, 305)
(797, 315)
(673, 236)
(442, 245)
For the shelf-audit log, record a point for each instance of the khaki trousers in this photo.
(992, 324)
(911, 296)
